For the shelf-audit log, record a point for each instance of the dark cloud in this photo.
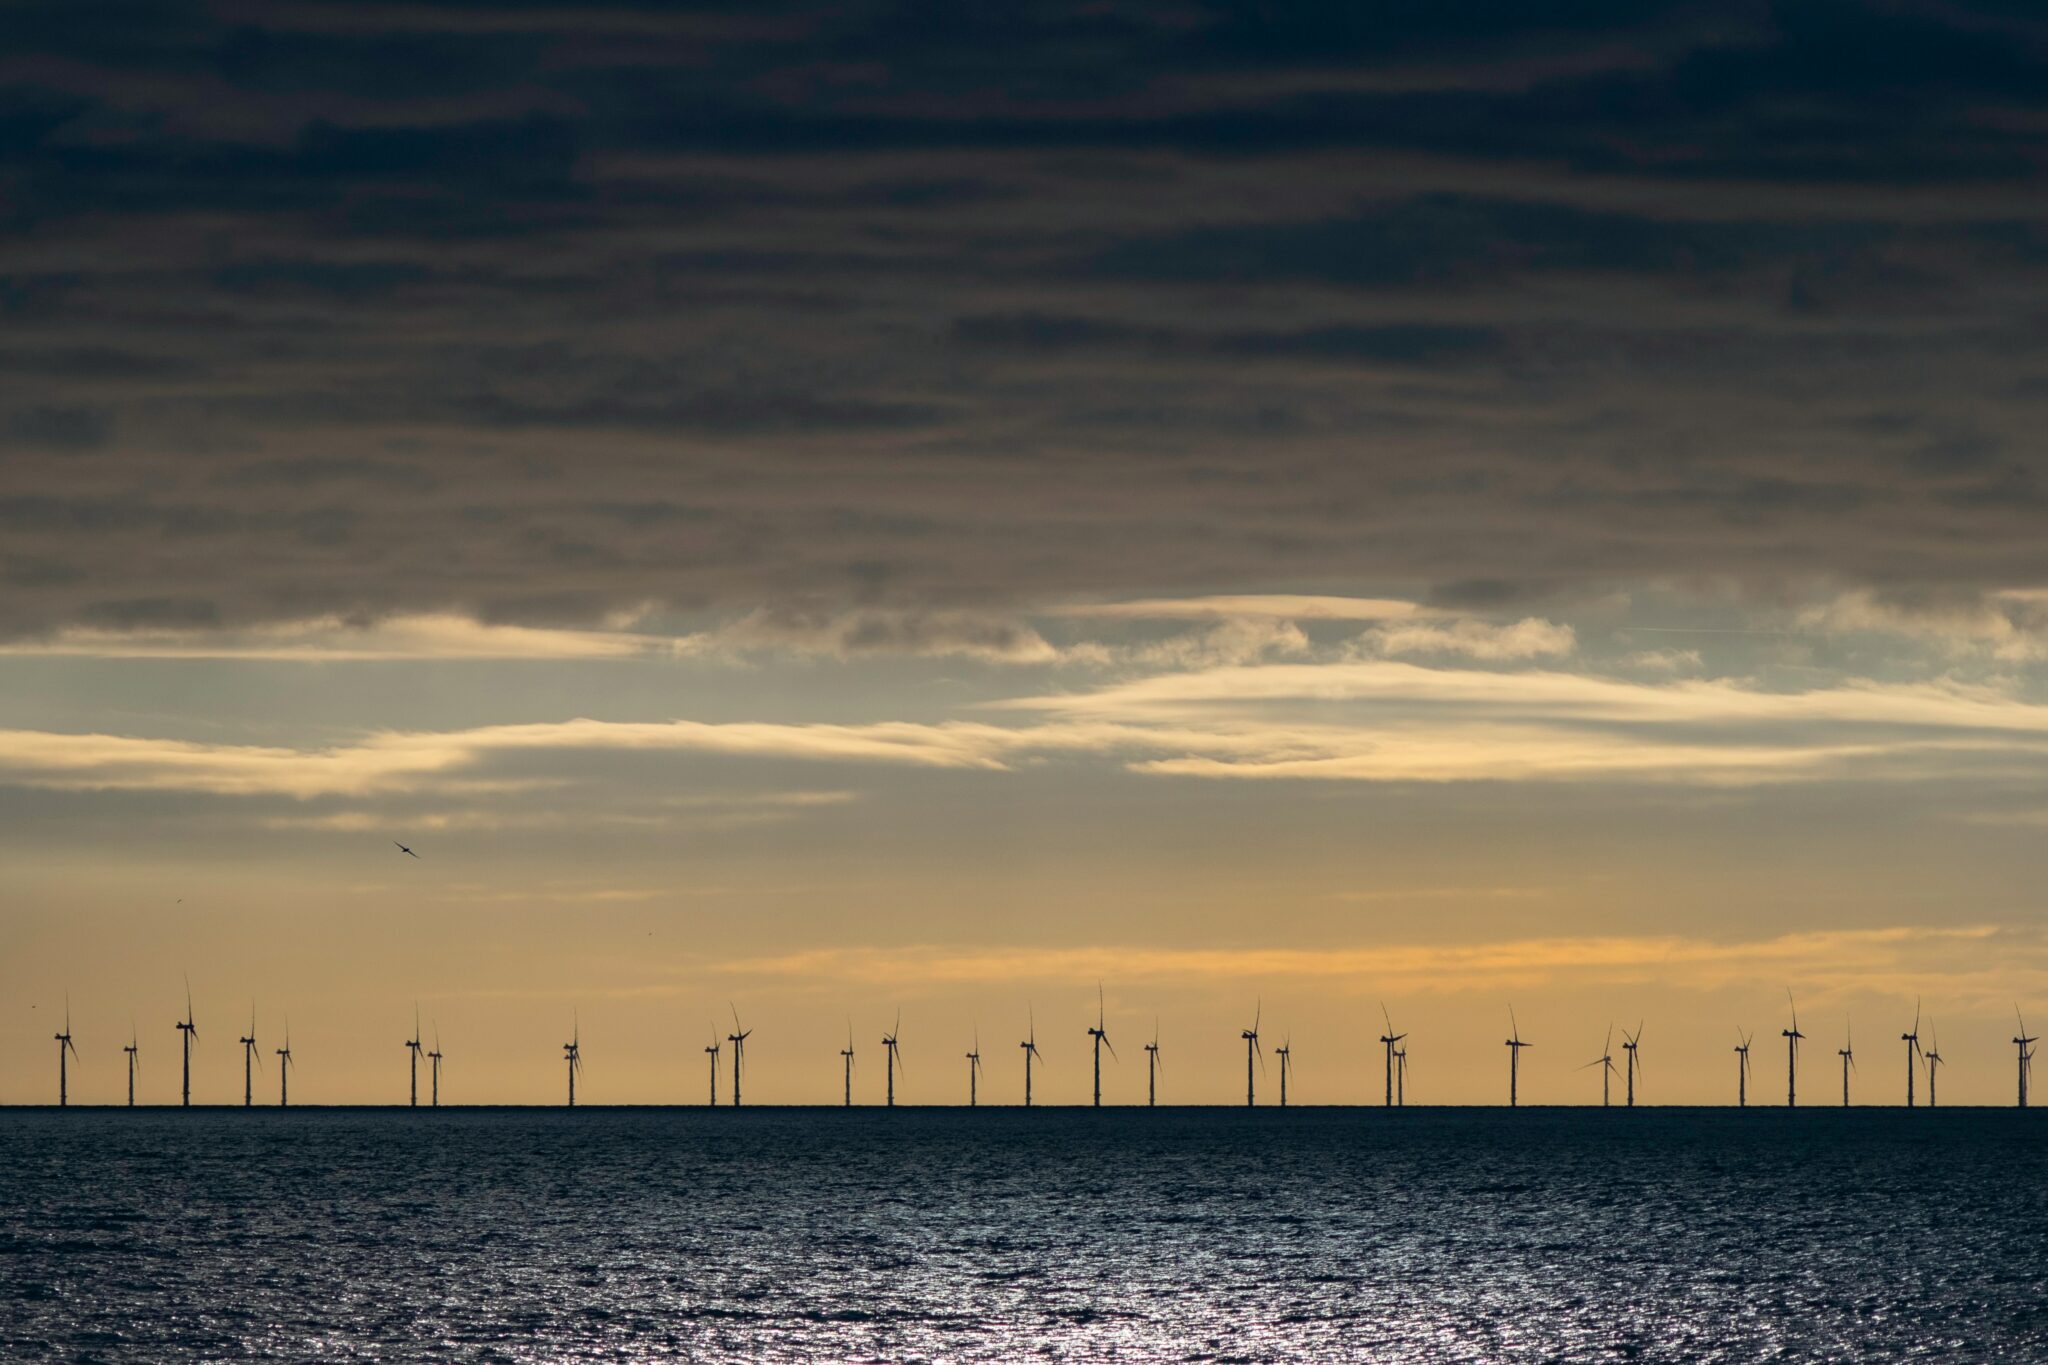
(541, 313)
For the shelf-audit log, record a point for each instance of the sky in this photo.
(810, 511)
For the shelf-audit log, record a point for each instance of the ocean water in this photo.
(1001, 1234)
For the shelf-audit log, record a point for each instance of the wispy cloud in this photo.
(1891, 958)
(1284, 606)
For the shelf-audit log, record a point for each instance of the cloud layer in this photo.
(539, 315)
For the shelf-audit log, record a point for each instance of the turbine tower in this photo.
(1605, 1061)
(1847, 1052)
(1152, 1067)
(1630, 1042)
(738, 1038)
(847, 1054)
(190, 1031)
(1030, 1047)
(130, 1050)
(1101, 1041)
(249, 1061)
(1515, 1046)
(1932, 1056)
(65, 1051)
(1742, 1069)
(284, 1067)
(1912, 1042)
(712, 1054)
(974, 1073)
(1401, 1078)
(572, 1053)
(2026, 1047)
(435, 1058)
(1792, 1036)
(1251, 1050)
(412, 1046)
(1389, 1038)
(1284, 1052)
(892, 1060)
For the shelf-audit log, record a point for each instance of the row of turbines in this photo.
(1916, 1058)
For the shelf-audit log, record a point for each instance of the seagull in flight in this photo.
(403, 849)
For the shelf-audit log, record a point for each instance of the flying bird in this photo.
(403, 849)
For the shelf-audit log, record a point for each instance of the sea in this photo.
(1003, 1234)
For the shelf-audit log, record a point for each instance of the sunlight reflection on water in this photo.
(1199, 1235)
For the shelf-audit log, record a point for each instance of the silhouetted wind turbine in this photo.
(413, 1046)
(974, 1073)
(1742, 1069)
(1401, 1078)
(1514, 1046)
(249, 1061)
(1932, 1056)
(889, 1047)
(284, 1066)
(130, 1050)
(1152, 1067)
(65, 1051)
(1101, 1041)
(1912, 1042)
(1251, 1050)
(1030, 1047)
(712, 1053)
(2026, 1047)
(1389, 1038)
(1847, 1052)
(435, 1058)
(1284, 1052)
(1630, 1043)
(190, 1031)
(738, 1038)
(1605, 1061)
(572, 1053)
(1792, 1036)
(847, 1053)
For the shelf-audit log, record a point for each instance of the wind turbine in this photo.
(572, 1053)
(190, 1031)
(892, 1060)
(1152, 1067)
(65, 1051)
(249, 1060)
(1284, 1052)
(1847, 1052)
(130, 1050)
(435, 1058)
(412, 1045)
(2026, 1047)
(847, 1053)
(1514, 1046)
(1932, 1056)
(1101, 1041)
(712, 1053)
(1389, 1038)
(1792, 1036)
(738, 1038)
(284, 1066)
(1030, 1047)
(1912, 1042)
(1630, 1042)
(1401, 1078)
(1742, 1069)
(1605, 1061)
(974, 1073)
(1251, 1050)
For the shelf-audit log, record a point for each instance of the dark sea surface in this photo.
(1002, 1234)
